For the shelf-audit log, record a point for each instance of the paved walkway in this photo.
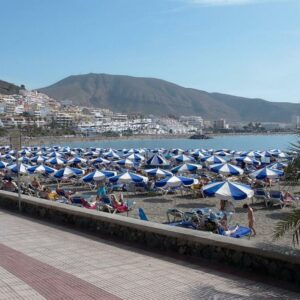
(41, 261)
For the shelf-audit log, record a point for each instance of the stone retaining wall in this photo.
(244, 254)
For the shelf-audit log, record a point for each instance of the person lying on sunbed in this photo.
(225, 230)
(288, 198)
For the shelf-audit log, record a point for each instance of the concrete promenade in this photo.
(39, 260)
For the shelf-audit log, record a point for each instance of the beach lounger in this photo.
(261, 194)
(239, 233)
(184, 224)
(275, 199)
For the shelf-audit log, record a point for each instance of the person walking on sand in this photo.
(250, 218)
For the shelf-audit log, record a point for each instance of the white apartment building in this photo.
(195, 121)
(64, 119)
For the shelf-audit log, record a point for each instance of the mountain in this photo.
(7, 88)
(154, 96)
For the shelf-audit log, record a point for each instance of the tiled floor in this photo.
(38, 261)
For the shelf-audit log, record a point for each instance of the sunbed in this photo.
(239, 233)
(275, 199)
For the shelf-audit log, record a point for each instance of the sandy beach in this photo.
(265, 218)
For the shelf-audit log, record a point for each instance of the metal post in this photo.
(16, 144)
(18, 183)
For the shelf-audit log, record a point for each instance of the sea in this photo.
(232, 142)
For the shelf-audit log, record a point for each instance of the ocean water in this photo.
(236, 142)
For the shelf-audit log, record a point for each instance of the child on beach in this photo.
(250, 218)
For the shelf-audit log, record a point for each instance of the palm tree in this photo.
(291, 224)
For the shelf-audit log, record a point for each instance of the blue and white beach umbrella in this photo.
(198, 154)
(3, 164)
(282, 155)
(222, 153)
(54, 154)
(14, 168)
(266, 173)
(91, 153)
(159, 173)
(175, 181)
(98, 176)
(277, 165)
(125, 162)
(111, 154)
(41, 169)
(76, 160)
(100, 160)
(56, 161)
(129, 177)
(24, 159)
(157, 161)
(213, 159)
(68, 172)
(255, 154)
(226, 169)
(248, 160)
(38, 159)
(227, 190)
(265, 154)
(182, 158)
(136, 157)
(24, 152)
(8, 157)
(186, 168)
(177, 151)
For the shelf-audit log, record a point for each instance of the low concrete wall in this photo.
(240, 253)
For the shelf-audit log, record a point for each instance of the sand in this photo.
(266, 219)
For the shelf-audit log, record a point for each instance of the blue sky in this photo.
(242, 47)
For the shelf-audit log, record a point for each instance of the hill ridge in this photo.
(147, 95)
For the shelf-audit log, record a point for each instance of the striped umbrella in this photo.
(213, 159)
(175, 181)
(24, 152)
(227, 190)
(111, 154)
(182, 158)
(14, 168)
(24, 159)
(76, 160)
(266, 173)
(277, 165)
(157, 160)
(159, 173)
(100, 160)
(68, 172)
(186, 168)
(129, 177)
(41, 169)
(198, 154)
(8, 157)
(38, 159)
(136, 157)
(226, 169)
(98, 176)
(54, 154)
(125, 162)
(3, 164)
(222, 153)
(248, 160)
(56, 161)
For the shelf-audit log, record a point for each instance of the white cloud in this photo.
(223, 2)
